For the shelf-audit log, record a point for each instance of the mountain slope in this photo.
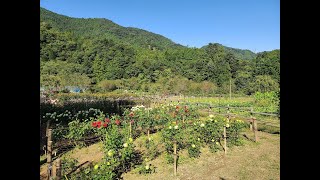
(238, 53)
(100, 27)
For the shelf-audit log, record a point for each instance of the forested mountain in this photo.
(241, 53)
(102, 56)
(238, 53)
(104, 28)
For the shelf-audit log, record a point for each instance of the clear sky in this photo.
(244, 24)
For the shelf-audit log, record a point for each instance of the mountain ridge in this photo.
(130, 35)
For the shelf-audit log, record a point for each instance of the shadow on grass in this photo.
(248, 138)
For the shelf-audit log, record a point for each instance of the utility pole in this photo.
(230, 88)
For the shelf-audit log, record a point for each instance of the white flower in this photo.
(202, 125)
(193, 145)
(125, 145)
(198, 139)
(227, 125)
(170, 127)
(217, 143)
(147, 167)
(176, 127)
(211, 116)
(212, 140)
(149, 139)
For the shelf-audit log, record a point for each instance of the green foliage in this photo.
(169, 157)
(194, 150)
(233, 131)
(67, 165)
(264, 83)
(88, 53)
(78, 130)
(97, 27)
(151, 148)
(267, 102)
(146, 169)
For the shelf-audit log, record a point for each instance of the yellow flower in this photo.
(211, 116)
(96, 166)
(212, 140)
(110, 153)
(170, 127)
(217, 143)
(125, 145)
(227, 125)
(193, 145)
(198, 139)
(202, 125)
(108, 163)
(147, 167)
(130, 139)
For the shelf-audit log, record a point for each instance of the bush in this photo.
(194, 150)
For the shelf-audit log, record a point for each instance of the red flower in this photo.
(132, 121)
(99, 124)
(94, 124)
(105, 125)
(131, 114)
(118, 122)
(107, 120)
(177, 107)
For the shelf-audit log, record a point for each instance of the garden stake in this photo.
(175, 157)
(255, 128)
(58, 169)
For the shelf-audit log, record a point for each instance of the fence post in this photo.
(175, 157)
(47, 128)
(58, 169)
(225, 139)
(49, 160)
(183, 119)
(225, 130)
(49, 151)
(255, 129)
(130, 129)
(49, 135)
(251, 110)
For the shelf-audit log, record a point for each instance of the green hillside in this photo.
(99, 55)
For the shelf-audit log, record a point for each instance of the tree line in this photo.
(104, 63)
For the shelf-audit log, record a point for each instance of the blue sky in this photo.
(244, 24)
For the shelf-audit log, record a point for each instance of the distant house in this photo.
(74, 89)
